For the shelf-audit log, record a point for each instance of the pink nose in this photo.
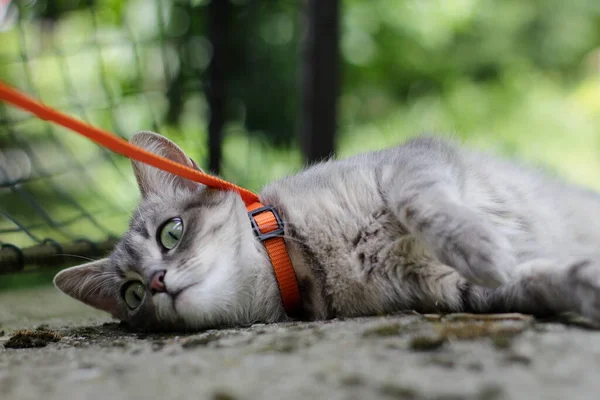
(157, 284)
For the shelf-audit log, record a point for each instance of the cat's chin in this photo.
(164, 305)
(184, 305)
(199, 307)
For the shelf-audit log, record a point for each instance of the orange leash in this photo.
(265, 220)
(118, 145)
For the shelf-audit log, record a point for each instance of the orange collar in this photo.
(268, 228)
(265, 221)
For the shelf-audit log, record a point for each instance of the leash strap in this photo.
(265, 221)
(117, 144)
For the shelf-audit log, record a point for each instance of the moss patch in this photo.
(26, 339)
(222, 395)
(398, 392)
(383, 331)
(352, 380)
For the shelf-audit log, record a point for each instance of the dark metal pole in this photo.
(218, 14)
(320, 78)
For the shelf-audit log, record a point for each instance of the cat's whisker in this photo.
(101, 281)
(74, 256)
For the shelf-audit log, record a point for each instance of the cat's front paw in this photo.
(479, 255)
(584, 280)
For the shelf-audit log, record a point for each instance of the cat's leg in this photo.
(543, 287)
(428, 202)
(540, 287)
(583, 278)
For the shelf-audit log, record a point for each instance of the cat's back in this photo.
(334, 193)
(358, 185)
(526, 202)
(540, 212)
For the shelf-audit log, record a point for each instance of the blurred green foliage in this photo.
(522, 77)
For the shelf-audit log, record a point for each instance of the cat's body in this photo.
(366, 258)
(428, 226)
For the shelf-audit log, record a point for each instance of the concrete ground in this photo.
(405, 356)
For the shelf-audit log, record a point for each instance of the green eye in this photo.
(134, 294)
(170, 233)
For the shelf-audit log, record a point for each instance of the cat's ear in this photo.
(90, 283)
(154, 180)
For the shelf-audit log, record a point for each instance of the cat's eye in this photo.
(170, 233)
(134, 294)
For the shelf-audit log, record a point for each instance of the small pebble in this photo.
(382, 331)
(221, 395)
(501, 342)
(352, 380)
(398, 392)
(427, 343)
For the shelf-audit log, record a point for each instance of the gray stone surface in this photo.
(405, 356)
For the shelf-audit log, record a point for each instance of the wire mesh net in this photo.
(122, 66)
(58, 194)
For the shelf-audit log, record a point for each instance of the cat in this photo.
(428, 225)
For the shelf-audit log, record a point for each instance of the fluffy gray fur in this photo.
(428, 226)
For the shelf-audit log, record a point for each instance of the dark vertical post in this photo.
(218, 14)
(320, 78)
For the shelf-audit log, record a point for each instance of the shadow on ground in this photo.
(54, 348)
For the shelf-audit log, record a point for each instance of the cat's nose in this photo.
(157, 284)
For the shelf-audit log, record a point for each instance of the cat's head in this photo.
(189, 259)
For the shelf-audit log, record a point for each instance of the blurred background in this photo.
(253, 90)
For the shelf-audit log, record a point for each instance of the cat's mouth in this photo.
(173, 294)
(165, 304)
(176, 293)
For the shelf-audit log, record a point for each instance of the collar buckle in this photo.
(277, 227)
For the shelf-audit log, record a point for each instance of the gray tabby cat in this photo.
(428, 226)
